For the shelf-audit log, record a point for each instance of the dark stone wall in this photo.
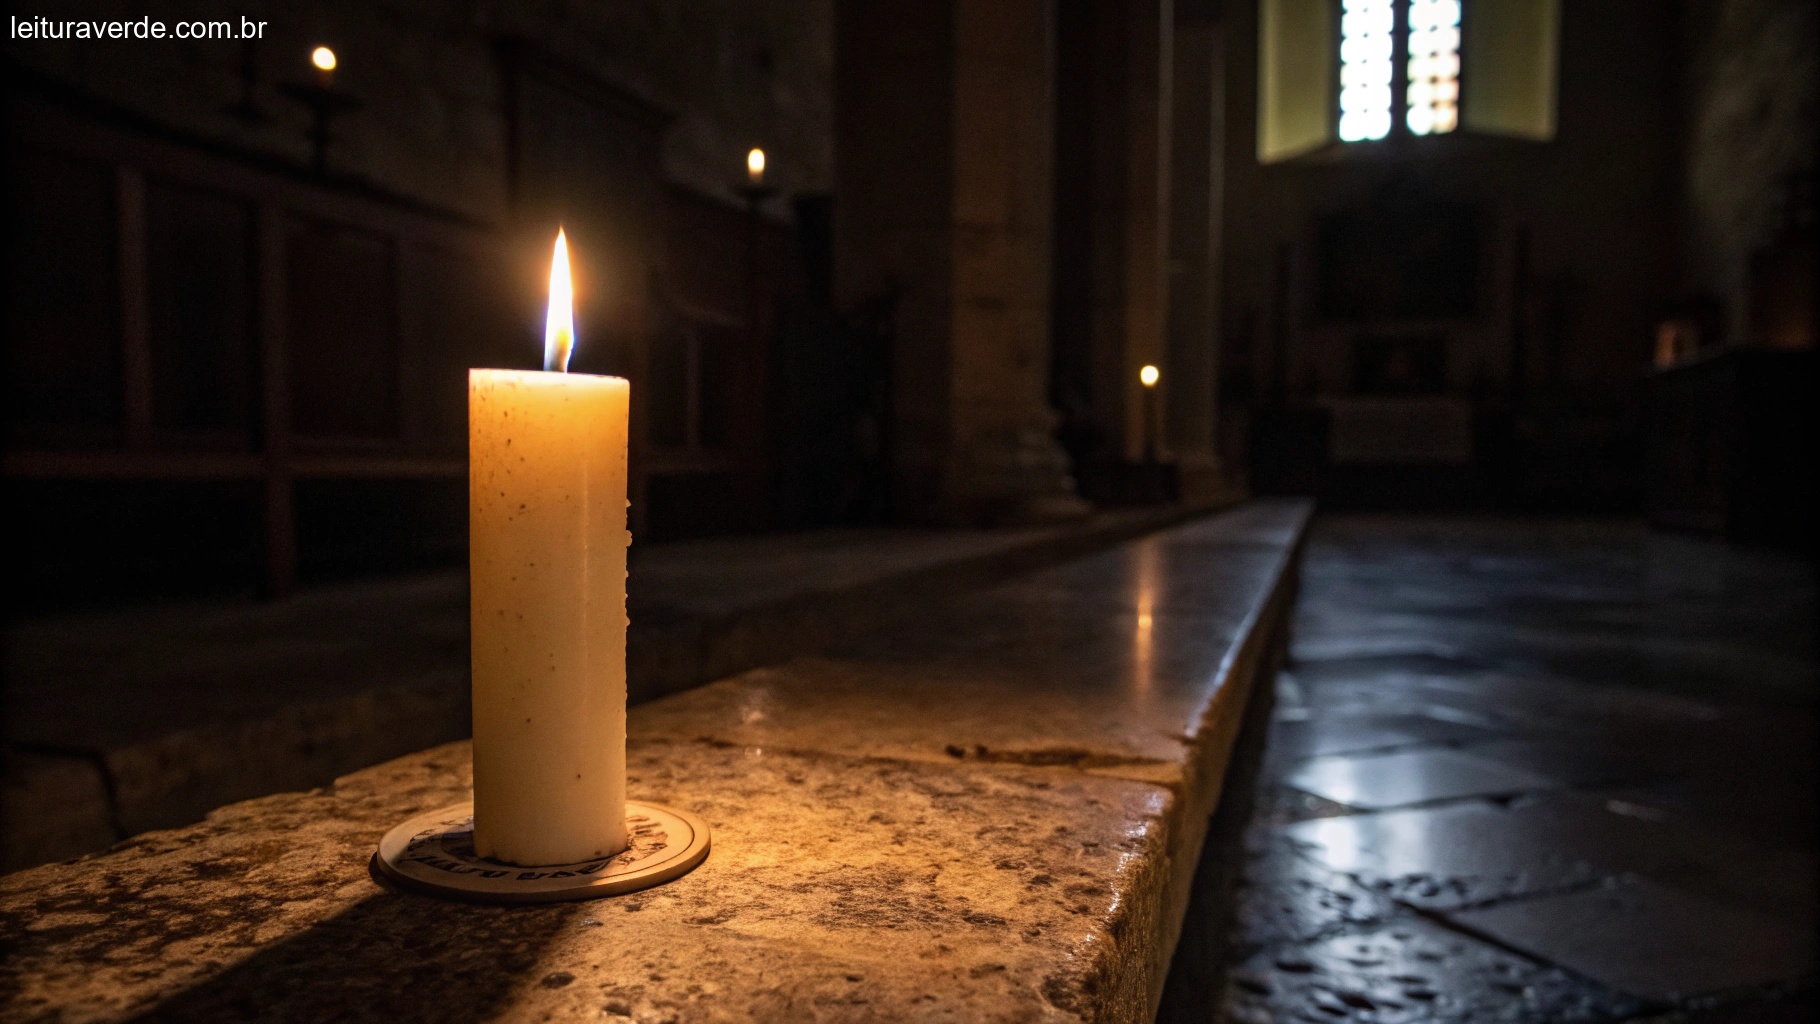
(1751, 72)
(737, 73)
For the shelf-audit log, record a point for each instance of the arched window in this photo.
(1356, 71)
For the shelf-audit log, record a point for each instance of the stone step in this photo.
(124, 722)
(991, 809)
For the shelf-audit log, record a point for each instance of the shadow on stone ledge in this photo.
(389, 958)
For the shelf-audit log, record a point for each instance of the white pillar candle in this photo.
(547, 553)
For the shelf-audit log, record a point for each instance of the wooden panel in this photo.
(722, 265)
(711, 294)
(120, 465)
(686, 505)
(341, 316)
(199, 270)
(63, 355)
(350, 528)
(669, 384)
(135, 337)
(707, 253)
(154, 465)
(100, 542)
(717, 348)
(179, 318)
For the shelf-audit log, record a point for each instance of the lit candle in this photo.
(547, 549)
(324, 59)
(755, 166)
(1148, 377)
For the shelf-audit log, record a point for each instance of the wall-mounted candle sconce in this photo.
(324, 102)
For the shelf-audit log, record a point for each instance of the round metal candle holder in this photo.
(434, 853)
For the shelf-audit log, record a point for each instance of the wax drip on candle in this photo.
(559, 322)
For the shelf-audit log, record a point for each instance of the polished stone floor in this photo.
(1534, 771)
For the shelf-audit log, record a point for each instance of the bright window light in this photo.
(1434, 66)
(1367, 43)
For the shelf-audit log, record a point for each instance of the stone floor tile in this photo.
(1750, 773)
(1283, 805)
(1667, 686)
(1284, 898)
(1698, 847)
(1452, 711)
(1774, 810)
(1411, 777)
(1406, 971)
(1447, 856)
(1325, 734)
(1340, 647)
(1470, 699)
(1529, 701)
(1776, 881)
(1570, 761)
(1314, 737)
(1799, 1007)
(1373, 661)
(1650, 940)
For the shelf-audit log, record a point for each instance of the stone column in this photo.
(1150, 87)
(943, 127)
(1191, 373)
(1127, 60)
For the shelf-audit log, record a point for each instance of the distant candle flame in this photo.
(755, 166)
(559, 323)
(1148, 376)
(323, 58)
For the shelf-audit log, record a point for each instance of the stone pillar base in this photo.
(1014, 476)
(1208, 481)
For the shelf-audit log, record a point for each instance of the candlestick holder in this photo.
(434, 854)
(324, 103)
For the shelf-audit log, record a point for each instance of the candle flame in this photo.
(755, 166)
(559, 323)
(323, 58)
(1148, 376)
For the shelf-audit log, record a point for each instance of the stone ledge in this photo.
(396, 680)
(989, 812)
